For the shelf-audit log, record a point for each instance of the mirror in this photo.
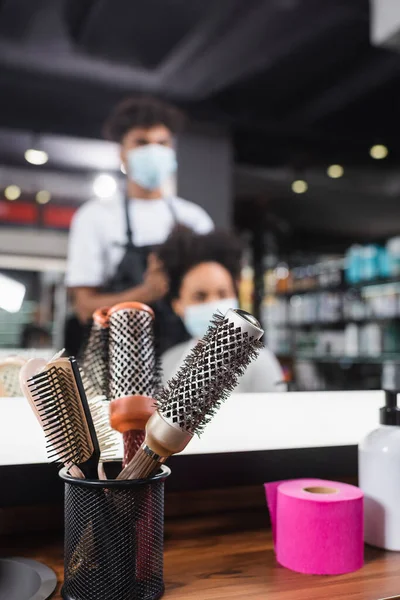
(289, 139)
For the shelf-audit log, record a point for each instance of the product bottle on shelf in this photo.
(369, 262)
(371, 339)
(379, 469)
(353, 264)
(384, 262)
(393, 249)
(246, 288)
(351, 340)
(282, 278)
(270, 282)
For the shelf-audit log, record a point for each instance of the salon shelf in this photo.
(344, 287)
(377, 360)
(332, 324)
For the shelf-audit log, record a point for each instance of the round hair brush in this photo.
(134, 374)
(94, 357)
(189, 401)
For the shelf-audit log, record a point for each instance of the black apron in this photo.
(169, 329)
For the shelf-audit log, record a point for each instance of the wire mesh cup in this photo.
(114, 538)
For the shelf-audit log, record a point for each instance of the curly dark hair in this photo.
(184, 249)
(142, 111)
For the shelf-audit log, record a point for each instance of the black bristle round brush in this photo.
(190, 400)
(94, 357)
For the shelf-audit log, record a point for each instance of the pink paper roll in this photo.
(317, 525)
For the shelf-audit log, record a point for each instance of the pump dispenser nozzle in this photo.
(390, 413)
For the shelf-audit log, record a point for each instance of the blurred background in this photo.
(293, 141)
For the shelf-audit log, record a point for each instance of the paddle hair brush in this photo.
(94, 356)
(58, 398)
(189, 401)
(108, 439)
(133, 372)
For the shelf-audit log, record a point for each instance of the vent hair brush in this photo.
(59, 401)
(94, 357)
(9, 376)
(28, 370)
(133, 370)
(189, 401)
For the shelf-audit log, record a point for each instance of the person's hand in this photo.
(155, 281)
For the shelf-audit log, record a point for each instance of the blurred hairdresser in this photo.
(111, 244)
(203, 272)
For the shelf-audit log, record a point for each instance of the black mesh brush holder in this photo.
(114, 538)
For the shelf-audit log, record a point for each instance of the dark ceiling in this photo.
(297, 81)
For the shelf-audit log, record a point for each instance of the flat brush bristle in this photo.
(109, 439)
(208, 376)
(56, 401)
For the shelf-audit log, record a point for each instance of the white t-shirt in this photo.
(98, 233)
(262, 375)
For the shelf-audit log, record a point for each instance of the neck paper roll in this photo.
(317, 525)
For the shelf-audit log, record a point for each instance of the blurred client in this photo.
(204, 271)
(111, 244)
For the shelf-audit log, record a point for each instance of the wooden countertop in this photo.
(228, 557)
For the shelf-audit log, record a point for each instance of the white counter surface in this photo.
(244, 423)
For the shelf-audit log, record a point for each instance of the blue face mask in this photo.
(151, 165)
(197, 317)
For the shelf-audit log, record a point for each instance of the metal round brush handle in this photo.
(247, 323)
(165, 438)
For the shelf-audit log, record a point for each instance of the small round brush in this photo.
(189, 401)
(133, 370)
(94, 356)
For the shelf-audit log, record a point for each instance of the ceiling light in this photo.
(12, 192)
(36, 157)
(12, 294)
(104, 186)
(123, 170)
(299, 186)
(335, 171)
(43, 197)
(378, 151)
